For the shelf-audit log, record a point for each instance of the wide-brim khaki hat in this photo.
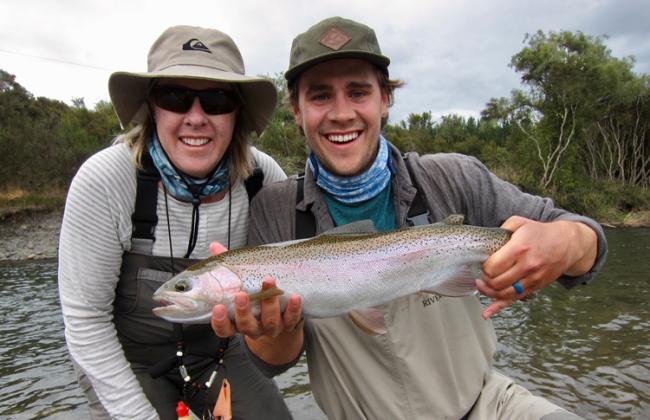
(193, 53)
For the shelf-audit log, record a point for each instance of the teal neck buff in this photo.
(358, 188)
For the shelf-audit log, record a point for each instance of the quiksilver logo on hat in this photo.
(196, 45)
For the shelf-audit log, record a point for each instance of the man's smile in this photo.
(343, 137)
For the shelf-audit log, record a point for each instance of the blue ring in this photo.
(518, 287)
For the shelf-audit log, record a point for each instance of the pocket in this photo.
(135, 290)
(137, 326)
(134, 319)
(148, 281)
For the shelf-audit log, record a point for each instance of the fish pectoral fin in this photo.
(371, 320)
(265, 294)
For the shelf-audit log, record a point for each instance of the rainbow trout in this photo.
(350, 269)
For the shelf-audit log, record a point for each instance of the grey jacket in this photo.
(438, 351)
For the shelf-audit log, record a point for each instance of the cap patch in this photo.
(196, 45)
(334, 38)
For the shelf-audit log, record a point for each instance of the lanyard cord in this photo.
(194, 230)
(229, 211)
(178, 328)
(195, 226)
(169, 232)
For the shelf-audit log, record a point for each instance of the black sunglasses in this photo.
(180, 99)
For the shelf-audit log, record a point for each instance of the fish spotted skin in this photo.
(338, 272)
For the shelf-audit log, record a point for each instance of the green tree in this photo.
(282, 138)
(43, 141)
(618, 144)
(569, 79)
(419, 132)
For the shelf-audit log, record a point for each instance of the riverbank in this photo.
(33, 233)
(29, 233)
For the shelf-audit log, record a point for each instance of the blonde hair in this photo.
(240, 165)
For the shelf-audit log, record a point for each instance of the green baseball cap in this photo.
(334, 38)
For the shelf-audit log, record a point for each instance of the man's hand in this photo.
(536, 255)
(274, 336)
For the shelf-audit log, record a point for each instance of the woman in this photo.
(146, 207)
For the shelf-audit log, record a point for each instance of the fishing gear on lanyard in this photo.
(191, 384)
(222, 409)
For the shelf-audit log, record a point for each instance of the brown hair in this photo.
(386, 85)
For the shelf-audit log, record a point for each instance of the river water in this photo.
(587, 350)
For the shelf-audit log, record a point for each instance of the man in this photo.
(435, 361)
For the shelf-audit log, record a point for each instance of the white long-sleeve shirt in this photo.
(95, 233)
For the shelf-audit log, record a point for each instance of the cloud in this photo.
(453, 55)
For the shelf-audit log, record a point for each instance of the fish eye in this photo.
(182, 286)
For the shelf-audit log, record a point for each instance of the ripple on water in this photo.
(587, 349)
(38, 381)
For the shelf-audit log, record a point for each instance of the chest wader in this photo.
(152, 345)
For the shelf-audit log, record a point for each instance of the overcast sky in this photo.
(453, 55)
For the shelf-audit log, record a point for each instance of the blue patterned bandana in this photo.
(184, 187)
(357, 188)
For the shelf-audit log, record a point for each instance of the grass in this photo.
(17, 201)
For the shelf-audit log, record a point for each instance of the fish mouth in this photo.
(171, 302)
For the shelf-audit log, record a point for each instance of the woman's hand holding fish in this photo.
(276, 337)
(536, 255)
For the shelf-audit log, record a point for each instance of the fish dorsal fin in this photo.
(354, 228)
(453, 219)
(371, 320)
(286, 243)
(360, 228)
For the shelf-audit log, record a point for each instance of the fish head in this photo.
(189, 296)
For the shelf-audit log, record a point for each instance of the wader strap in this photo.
(144, 216)
(305, 222)
(254, 182)
(418, 213)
